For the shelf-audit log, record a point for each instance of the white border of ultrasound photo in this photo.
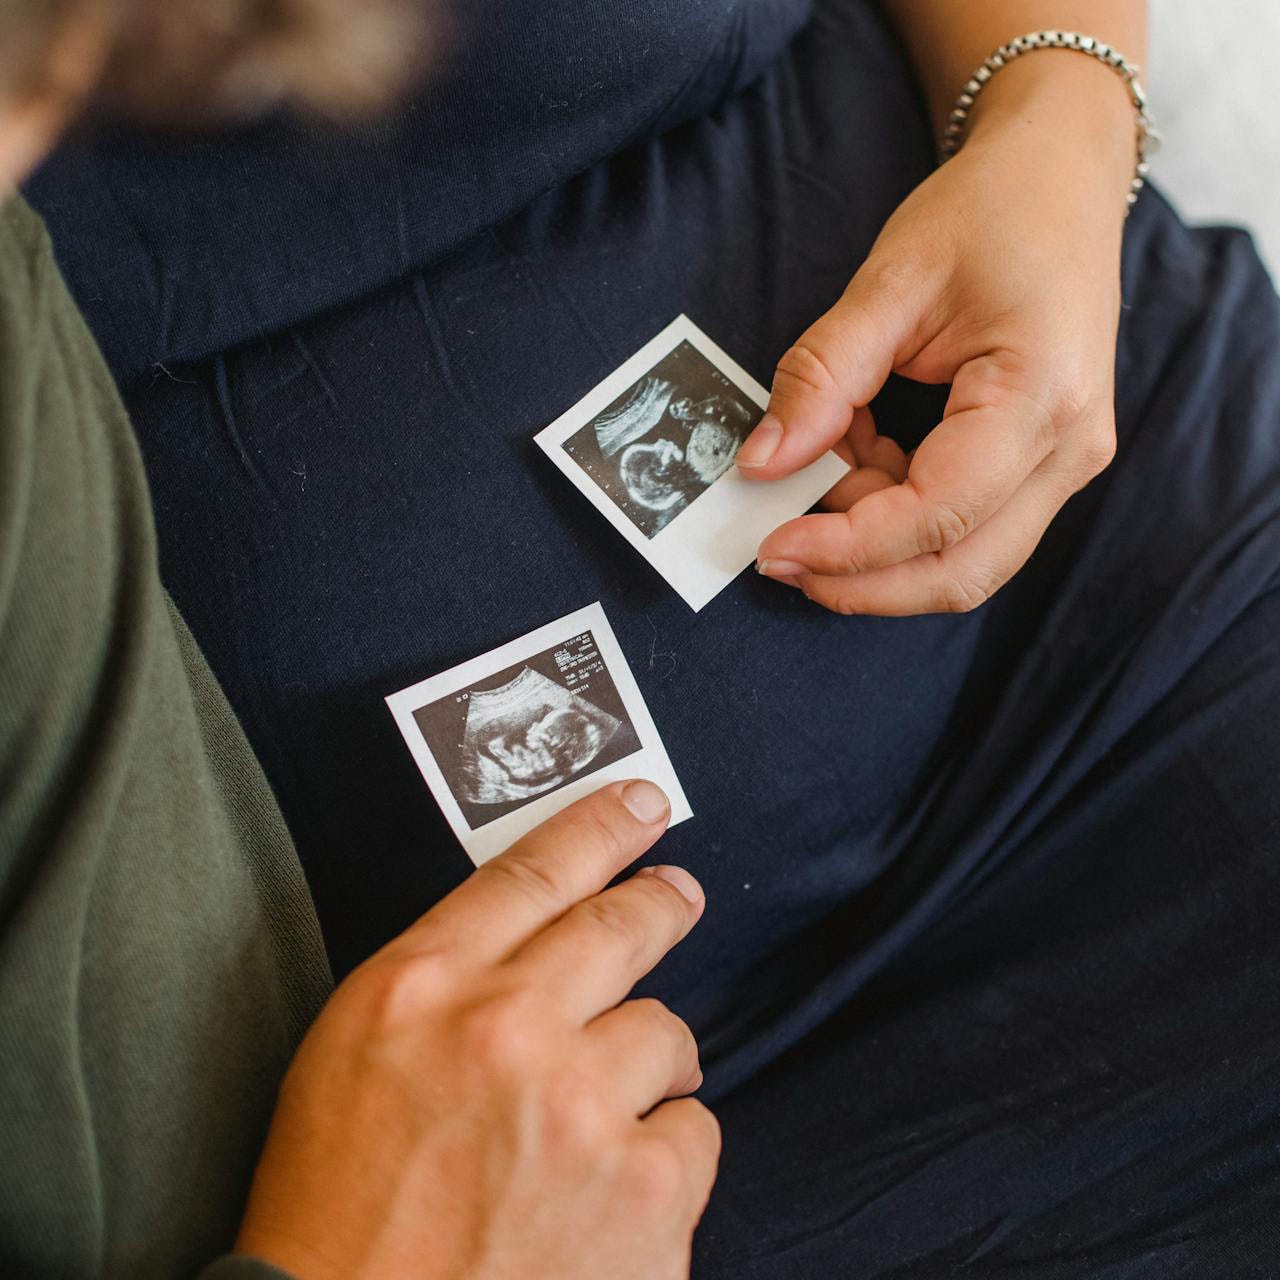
(717, 535)
(650, 761)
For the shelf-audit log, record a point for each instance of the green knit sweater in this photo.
(159, 952)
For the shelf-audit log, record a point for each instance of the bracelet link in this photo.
(1148, 136)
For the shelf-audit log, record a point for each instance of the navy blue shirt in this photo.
(262, 230)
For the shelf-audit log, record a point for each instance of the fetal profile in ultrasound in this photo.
(528, 730)
(662, 443)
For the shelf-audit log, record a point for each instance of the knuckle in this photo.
(942, 526)
(896, 275)
(682, 1031)
(855, 555)
(966, 593)
(1008, 380)
(605, 835)
(805, 367)
(712, 1138)
(655, 1013)
(1045, 408)
(1070, 401)
(657, 1176)
(527, 873)
(844, 602)
(1099, 451)
(504, 1032)
(396, 991)
(573, 1118)
(625, 930)
(662, 1024)
(939, 525)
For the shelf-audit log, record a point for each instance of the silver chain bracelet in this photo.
(1148, 134)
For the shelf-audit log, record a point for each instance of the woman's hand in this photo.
(476, 1101)
(1000, 275)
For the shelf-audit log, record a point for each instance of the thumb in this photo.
(838, 365)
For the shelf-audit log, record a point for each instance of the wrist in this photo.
(1072, 105)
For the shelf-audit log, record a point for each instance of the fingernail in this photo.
(645, 802)
(780, 568)
(689, 888)
(761, 444)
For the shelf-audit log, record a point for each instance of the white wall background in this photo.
(1214, 76)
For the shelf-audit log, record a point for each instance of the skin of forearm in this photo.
(1060, 90)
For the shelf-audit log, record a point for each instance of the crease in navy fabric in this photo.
(313, 365)
(232, 429)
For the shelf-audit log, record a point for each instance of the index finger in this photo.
(968, 467)
(965, 577)
(835, 367)
(571, 856)
(590, 958)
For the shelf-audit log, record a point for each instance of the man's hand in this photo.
(1000, 275)
(478, 1101)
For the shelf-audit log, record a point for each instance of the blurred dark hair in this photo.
(200, 61)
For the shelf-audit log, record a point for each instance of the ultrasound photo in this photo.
(529, 729)
(661, 444)
(657, 438)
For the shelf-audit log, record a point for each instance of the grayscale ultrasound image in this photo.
(664, 442)
(528, 730)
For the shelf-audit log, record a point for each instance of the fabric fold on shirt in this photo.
(259, 231)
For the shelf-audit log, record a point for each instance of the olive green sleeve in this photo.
(160, 957)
